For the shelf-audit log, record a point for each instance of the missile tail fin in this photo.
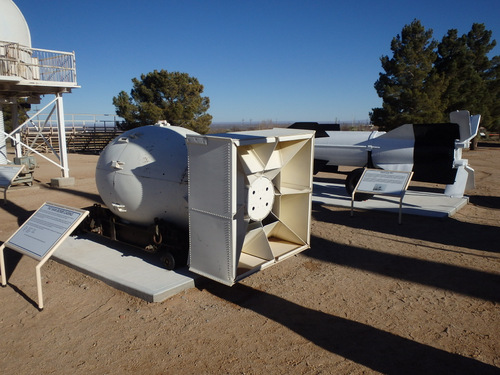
(469, 125)
(464, 181)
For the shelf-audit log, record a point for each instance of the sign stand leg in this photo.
(400, 209)
(39, 282)
(2, 266)
(37, 272)
(56, 223)
(39, 285)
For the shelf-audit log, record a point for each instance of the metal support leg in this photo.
(2, 266)
(62, 136)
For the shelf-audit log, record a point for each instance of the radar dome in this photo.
(13, 26)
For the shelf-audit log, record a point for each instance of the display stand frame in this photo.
(383, 182)
(8, 173)
(40, 236)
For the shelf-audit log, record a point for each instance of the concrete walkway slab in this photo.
(127, 269)
(414, 202)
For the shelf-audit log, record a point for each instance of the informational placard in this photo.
(8, 174)
(378, 181)
(40, 236)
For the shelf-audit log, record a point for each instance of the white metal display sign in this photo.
(382, 182)
(41, 234)
(8, 174)
(377, 181)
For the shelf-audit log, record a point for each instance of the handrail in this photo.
(37, 64)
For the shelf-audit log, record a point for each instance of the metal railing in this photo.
(37, 64)
(74, 122)
(84, 132)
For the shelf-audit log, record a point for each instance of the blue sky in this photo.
(258, 60)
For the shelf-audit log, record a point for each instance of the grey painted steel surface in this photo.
(130, 270)
(415, 202)
(249, 200)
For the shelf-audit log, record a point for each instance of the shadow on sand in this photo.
(440, 231)
(376, 349)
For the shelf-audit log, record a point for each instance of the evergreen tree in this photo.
(410, 87)
(493, 101)
(468, 71)
(454, 61)
(22, 106)
(161, 95)
(486, 95)
(424, 81)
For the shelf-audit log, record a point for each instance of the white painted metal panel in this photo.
(249, 200)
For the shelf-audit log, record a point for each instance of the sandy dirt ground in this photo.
(369, 296)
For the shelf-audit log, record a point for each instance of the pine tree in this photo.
(468, 70)
(454, 62)
(410, 87)
(484, 96)
(493, 100)
(424, 80)
(161, 95)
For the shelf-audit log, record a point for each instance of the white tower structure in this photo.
(28, 73)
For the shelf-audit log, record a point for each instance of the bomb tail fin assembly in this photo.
(432, 151)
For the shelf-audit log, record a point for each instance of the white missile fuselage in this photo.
(432, 151)
(354, 148)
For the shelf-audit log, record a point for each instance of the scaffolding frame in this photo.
(30, 73)
(63, 154)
